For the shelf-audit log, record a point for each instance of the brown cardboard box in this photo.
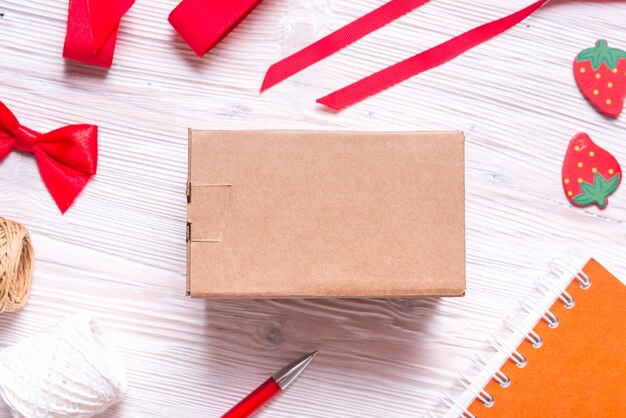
(275, 214)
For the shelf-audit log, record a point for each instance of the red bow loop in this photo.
(8, 121)
(67, 157)
(74, 146)
(8, 129)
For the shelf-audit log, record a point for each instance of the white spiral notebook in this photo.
(565, 358)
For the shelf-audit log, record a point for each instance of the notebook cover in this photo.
(580, 369)
(325, 214)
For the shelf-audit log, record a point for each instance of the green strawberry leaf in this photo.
(597, 192)
(584, 200)
(601, 53)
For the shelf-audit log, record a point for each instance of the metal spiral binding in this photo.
(452, 404)
(546, 314)
(515, 356)
(558, 267)
(546, 286)
(480, 394)
(530, 334)
(497, 375)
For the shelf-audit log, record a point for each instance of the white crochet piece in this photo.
(69, 370)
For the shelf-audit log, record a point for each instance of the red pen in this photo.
(272, 386)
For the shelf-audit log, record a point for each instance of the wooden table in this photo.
(119, 253)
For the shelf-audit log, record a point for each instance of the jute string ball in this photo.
(16, 265)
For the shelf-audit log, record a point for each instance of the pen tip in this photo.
(288, 374)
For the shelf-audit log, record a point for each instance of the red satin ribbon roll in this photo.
(203, 23)
(92, 27)
(67, 157)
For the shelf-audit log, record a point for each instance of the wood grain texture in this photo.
(119, 253)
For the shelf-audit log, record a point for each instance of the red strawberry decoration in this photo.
(590, 173)
(601, 75)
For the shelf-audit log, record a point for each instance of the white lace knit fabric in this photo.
(69, 370)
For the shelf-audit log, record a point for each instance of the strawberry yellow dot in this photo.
(582, 70)
(566, 181)
(580, 180)
(594, 170)
(608, 101)
(598, 76)
(570, 193)
(614, 70)
(592, 154)
(610, 85)
(596, 92)
(580, 165)
(576, 148)
(611, 171)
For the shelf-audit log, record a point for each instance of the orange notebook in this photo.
(567, 358)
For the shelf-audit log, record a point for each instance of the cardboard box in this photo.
(276, 214)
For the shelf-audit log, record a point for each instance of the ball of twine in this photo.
(16, 265)
(70, 370)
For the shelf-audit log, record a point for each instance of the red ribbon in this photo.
(66, 157)
(92, 27)
(424, 61)
(396, 73)
(203, 23)
(337, 40)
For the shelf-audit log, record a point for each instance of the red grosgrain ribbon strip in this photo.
(66, 157)
(337, 40)
(424, 61)
(203, 23)
(92, 27)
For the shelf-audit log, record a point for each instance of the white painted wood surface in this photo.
(119, 253)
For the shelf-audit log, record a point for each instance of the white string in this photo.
(66, 371)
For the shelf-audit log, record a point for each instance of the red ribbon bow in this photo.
(92, 27)
(66, 157)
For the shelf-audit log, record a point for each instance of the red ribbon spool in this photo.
(92, 27)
